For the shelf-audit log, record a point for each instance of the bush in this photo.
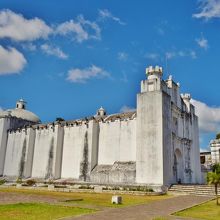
(31, 182)
(19, 180)
(86, 187)
(3, 181)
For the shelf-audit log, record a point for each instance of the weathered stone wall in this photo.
(149, 160)
(6, 124)
(19, 153)
(47, 152)
(119, 172)
(79, 150)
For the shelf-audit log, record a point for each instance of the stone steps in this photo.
(203, 190)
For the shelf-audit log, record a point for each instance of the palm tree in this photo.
(214, 178)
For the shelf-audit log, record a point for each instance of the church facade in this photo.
(156, 145)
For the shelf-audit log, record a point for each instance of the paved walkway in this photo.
(147, 211)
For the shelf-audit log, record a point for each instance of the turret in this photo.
(101, 112)
(154, 72)
(21, 104)
(153, 82)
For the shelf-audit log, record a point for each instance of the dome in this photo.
(20, 112)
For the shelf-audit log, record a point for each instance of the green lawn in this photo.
(207, 211)
(96, 199)
(39, 211)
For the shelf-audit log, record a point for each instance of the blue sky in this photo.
(67, 58)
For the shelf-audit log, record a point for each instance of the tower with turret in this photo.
(153, 129)
(167, 148)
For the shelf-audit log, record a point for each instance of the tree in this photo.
(218, 136)
(59, 119)
(214, 178)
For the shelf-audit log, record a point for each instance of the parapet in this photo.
(154, 71)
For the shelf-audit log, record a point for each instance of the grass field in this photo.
(206, 211)
(39, 211)
(67, 203)
(95, 199)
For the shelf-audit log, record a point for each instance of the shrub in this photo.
(2, 181)
(19, 180)
(31, 182)
(86, 187)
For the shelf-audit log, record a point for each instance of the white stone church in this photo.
(156, 145)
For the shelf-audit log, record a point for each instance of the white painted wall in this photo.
(117, 141)
(73, 145)
(45, 155)
(4, 126)
(13, 153)
(149, 161)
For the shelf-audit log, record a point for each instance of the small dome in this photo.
(20, 112)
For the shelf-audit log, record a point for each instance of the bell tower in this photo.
(153, 109)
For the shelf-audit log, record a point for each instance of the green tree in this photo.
(214, 179)
(218, 136)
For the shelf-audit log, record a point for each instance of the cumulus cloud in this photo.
(11, 60)
(53, 51)
(83, 75)
(209, 117)
(106, 14)
(126, 108)
(18, 28)
(208, 9)
(79, 29)
(122, 56)
(202, 42)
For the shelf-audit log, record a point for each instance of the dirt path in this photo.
(138, 212)
(147, 211)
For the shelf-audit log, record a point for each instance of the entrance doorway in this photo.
(178, 166)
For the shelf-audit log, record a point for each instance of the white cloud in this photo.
(29, 46)
(202, 42)
(18, 28)
(193, 54)
(80, 29)
(122, 56)
(1, 109)
(208, 9)
(181, 53)
(11, 61)
(209, 117)
(106, 14)
(126, 108)
(54, 51)
(152, 56)
(170, 55)
(83, 75)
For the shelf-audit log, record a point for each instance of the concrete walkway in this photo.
(148, 211)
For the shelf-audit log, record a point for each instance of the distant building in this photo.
(215, 150)
(156, 145)
(206, 161)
